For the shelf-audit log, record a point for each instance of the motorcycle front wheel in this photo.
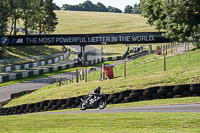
(102, 104)
(83, 106)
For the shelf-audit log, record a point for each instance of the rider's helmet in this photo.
(98, 88)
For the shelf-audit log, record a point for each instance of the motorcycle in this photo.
(93, 102)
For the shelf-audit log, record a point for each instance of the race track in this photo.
(5, 91)
(161, 108)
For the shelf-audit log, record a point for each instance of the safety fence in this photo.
(156, 92)
(173, 48)
(94, 73)
(146, 64)
(149, 64)
(36, 62)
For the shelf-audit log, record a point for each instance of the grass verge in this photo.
(107, 123)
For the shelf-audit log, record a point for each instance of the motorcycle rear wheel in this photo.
(102, 104)
(83, 106)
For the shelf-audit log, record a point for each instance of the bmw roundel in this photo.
(4, 41)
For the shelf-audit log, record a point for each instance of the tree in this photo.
(151, 9)
(26, 14)
(128, 9)
(4, 16)
(182, 18)
(56, 7)
(101, 7)
(50, 19)
(39, 16)
(15, 14)
(71, 7)
(88, 6)
(179, 18)
(136, 9)
(113, 9)
(195, 37)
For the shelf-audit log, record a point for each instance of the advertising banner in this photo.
(84, 39)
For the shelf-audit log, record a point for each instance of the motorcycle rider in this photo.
(96, 99)
(95, 94)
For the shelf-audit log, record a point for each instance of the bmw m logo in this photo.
(4, 41)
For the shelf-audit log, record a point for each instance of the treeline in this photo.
(31, 15)
(132, 10)
(89, 6)
(99, 7)
(179, 18)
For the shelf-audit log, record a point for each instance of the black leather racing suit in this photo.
(95, 94)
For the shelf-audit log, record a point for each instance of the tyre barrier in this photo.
(157, 92)
(4, 103)
(19, 94)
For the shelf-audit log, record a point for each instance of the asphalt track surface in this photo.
(187, 108)
(5, 91)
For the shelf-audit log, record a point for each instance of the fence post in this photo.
(163, 49)
(83, 72)
(115, 72)
(171, 48)
(77, 77)
(80, 76)
(124, 69)
(86, 74)
(56, 82)
(103, 73)
(174, 47)
(164, 62)
(72, 78)
(60, 81)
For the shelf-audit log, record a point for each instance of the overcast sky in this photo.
(121, 4)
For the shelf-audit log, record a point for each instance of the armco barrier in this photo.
(157, 92)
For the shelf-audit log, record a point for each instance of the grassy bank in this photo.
(102, 123)
(28, 51)
(75, 22)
